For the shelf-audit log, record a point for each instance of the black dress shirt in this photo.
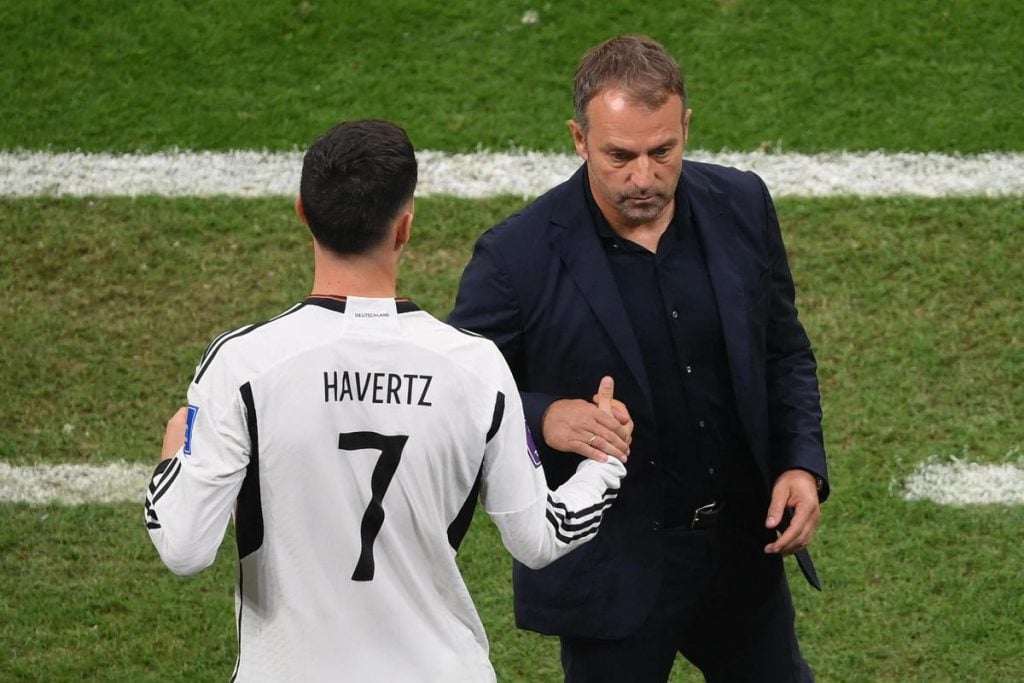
(671, 304)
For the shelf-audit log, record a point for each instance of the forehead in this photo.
(616, 119)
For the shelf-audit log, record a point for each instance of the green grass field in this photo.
(914, 306)
(116, 75)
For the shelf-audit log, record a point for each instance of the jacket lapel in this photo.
(713, 221)
(574, 238)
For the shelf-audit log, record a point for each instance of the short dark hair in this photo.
(355, 179)
(642, 67)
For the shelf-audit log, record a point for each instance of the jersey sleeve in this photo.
(538, 526)
(190, 497)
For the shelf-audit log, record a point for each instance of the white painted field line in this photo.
(485, 174)
(74, 484)
(953, 482)
(959, 482)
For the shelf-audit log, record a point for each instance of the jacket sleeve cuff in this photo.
(535, 404)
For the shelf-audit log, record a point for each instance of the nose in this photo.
(642, 172)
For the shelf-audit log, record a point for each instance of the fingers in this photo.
(622, 425)
(623, 431)
(776, 509)
(566, 426)
(611, 435)
(594, 453)
(605, 442)
(594, 430)
(581, 427)
(604, 394)
(794, 495)
(798, 534)
(620, 413)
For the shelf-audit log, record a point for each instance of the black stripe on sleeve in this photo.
(249, 515)
(163, 476)
(609, 495)
(213, 345)
(499, 413)
(573, 525)
(211, 353)
(564, 537)
(167, 479)
(158, 474)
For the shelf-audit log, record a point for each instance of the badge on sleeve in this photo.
(190, 421)
(531, 448)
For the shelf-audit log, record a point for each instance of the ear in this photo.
(686, 126)
(299, 211)
(579, 138)
(403, 231)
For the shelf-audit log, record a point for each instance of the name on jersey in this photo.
(377, 387)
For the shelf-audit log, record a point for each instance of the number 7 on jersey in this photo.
(390, 448)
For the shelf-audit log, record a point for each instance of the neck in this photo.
(367, 275)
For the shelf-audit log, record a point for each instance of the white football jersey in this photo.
(350, 439)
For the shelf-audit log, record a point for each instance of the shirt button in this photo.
(711, 471)
(675, 314)
(689, 369)
(701, 423)
(655, 525)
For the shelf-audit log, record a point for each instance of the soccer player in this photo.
(351, 436)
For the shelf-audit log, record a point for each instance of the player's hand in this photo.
(594, 430)
(796, 490)
(174, 434)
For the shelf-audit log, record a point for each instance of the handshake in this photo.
(595, 430)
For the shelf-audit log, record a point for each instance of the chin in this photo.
(638, 216)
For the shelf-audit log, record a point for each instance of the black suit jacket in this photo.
(539, 285)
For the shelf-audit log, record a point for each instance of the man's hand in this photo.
(796, 490)
(594, 430)
(174, 435)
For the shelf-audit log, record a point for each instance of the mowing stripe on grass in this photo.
(486, 174)
(949, 483)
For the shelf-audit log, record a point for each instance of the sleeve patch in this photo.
(190, 421)
(531, 448)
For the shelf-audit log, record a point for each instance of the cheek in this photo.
(669, 172)
(611, 178)
(672, 166)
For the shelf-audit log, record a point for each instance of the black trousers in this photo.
(723, 604)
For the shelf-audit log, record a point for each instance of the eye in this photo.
(662, 152)
(618, 155)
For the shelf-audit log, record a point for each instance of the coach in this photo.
(672, 278)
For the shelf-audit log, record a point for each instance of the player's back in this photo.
(350, 439)
(367, 429)
(370, 445)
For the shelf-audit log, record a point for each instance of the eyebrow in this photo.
(612, 147)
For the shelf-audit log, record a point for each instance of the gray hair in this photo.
(640, 66)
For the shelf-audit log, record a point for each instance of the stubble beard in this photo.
(637, 214)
